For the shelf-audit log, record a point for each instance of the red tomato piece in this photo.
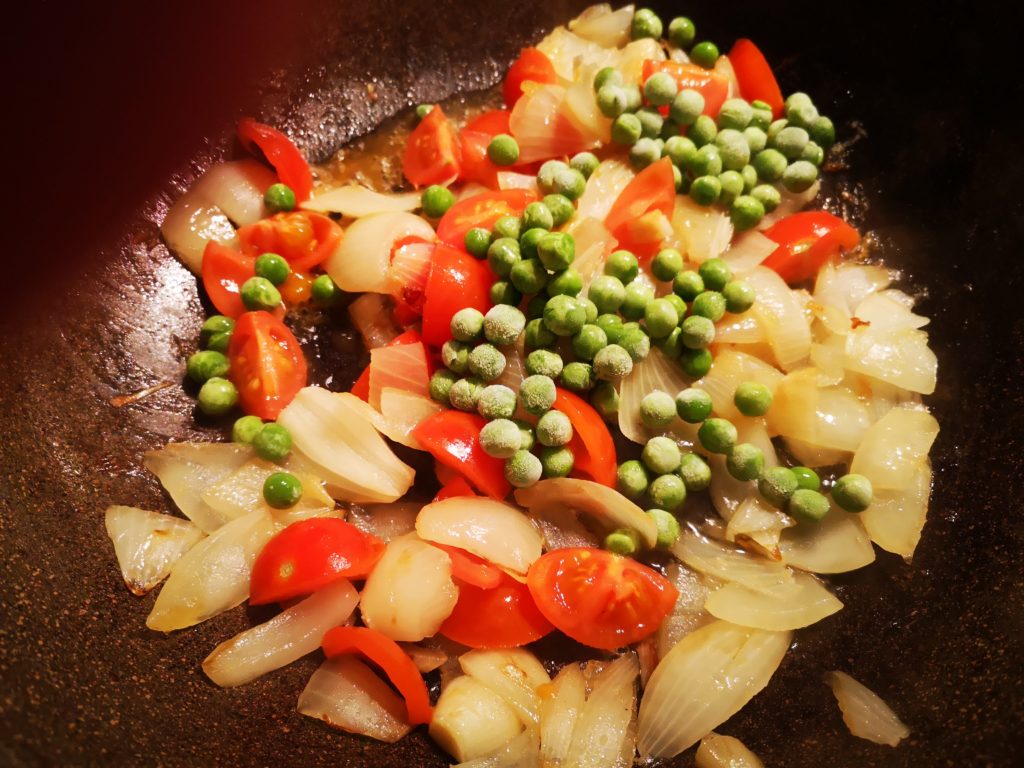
(481, 210)
(432, 154)
(710, 83)
(309, 555)
(224, 272)
(392, 660)
(453, 438)
(292, 168)
(599, 598)
(456, 486)
(476, 165)
(267, 364)
(806, 241)
(532, 65)
(456, 281)
(303, 238)
(492, 122)
(755, 76)
(361, 386)
(467, 568)
(592, 445)
(653, 189)
(503, 616)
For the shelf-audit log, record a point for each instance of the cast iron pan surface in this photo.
(120, 105)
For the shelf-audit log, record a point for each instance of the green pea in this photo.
(543, 362)
(561, 207)
(703, 131)
(634, 303)
(612, 363)
(556, 461)
(213, 325)
(657, 409)
(500, 438)
(279, 197)
(694, 472)
(822, 132)
(704, 54)
(697, 332)
(739, 297)
(660, 88)
(467, 324)
(746, 212)
(539, 216)
(477, 241)
(752, 398)
(676, 302)
(436, 200)
(546, 174)
(688, 285)
(802, 116)
(623, 265)
(667, 525)
(537, 335)
(503, 324)
(503, 150)
(567, 282)
(632, 479)
(605, 398)
(554, 429)
(745, 462)
(259, 293)
(661, 455)
(504, 292)
(797, 99)
(733, 149)
(273, 267)
(612, 100)
(282, 490)
(813, 154)
(588, 342)
(790, 141)
(762, 115)
(324, 290)
(623, 541)
(496, 401)
(502, 255)
(749, 175)
(735, 114)
(852, 493)
(644, 153)
(465, 393)
(799, 176)
(508, 226)
(589, 307)
(769, 164)
(696, 362)
(774, 129)
(645, 24)
(636, 343)
(486, 362)
(732, 186)
(705, 190)
(568, 182)
(564, 316)
(578, 377)
(455, 356)
(607, 293)
(681, 32)
(526, 435)
(206, 365)
(693, 405)
(680, 150)
(607, 76)
(272, 443)
(709, 304)
(556, 250)
(651, 122)
(687, 108)
(776, 485)
(717, 435)
(666, 264)
(611, 324)
(530, 239)
(245, 429)
(667, 492)
(441, 384)
(528, 276)
(422, 110)
(672, 345)
(715, 273)
(707, 162)
(768, 196)
(626, 129)
(807, 505)
(585, 162)
(660, 318)
(217, 396)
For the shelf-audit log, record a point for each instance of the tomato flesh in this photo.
(481, 210)
(456, 486)
(532, 65)
(292, 168)
(267, 364)
(592, 444)
(456, 281)
(651, 190)
(710, 83)
(432, 154)
(468, 568)
(807, 240)
(502, 616)
(361, 386)
(224, 271)
(755, 76)
(303, 238)
(453, 438)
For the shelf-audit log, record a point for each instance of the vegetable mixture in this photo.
(660, 398)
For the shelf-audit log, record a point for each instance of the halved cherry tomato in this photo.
(309, 555)
(456, 281)
(361, 386)
(453, 438)
(653, 189)
(392, 660)
(481, 210)
(492, 122)
(267, 364)
(292, 168)
(503, 616)
(432, 154)
(806, 241)
(445, 475)
(224, 271)
(303, 238)
(456, 486)
(592, 445)
(467, 568)
(754, 75)
(598, 598)
(531, 65)
(476, 165)
(297, 288)
(710, 83)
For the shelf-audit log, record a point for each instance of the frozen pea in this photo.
(561, 207)
(578, 377)
(508, 226)
(632, 479)
(611, 324)
(693, 405)
(635, 300)
(564, 316)
(523, 469)
(556, 250)
(667, 492)
(657, 409)
(537, 394)
(661, 455)
(612, 363)
(537, 335)
(441, 383)
(735, 113)
(695, 362)
(667, 525)
(605, 398)
(776, 485)
(486, 362)
(686, 107)
(503, 324)
(745, 462)
(556, 461)
(588, 342)
(537, 215)
(717, 435)
(694, 472)
(636, 343)
(464, 393)
(567, 282)
(500, 438)
(739, 296)
(554, 428)
(607, 293)
(698, 332)
(709, 304)
(502, 255)
(455, 356)
(496, 401)
(543, 362)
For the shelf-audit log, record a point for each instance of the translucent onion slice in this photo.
(814, 455)
(748, 251)
(520, 752)
(727, 563)
(602, 734)
(702, 682)
(371, 316)
(798, 603)
(515, 674)
(425, 659)
(213, 576)
(186, 470)
(845, 286)
(402, 412)
(410, 592)
(889, 311)
(237, 187)
(828, 417)
(386, 521)
(513, 180)
(688, 614)
(782, 316)
(515, 367)
(731, 369)
(718, 751)
(655, 372)
(560, 706)
(603, 188)
(403, 367)
(837, 544)
(632, 58)
(864, 712)
(609, 508)
(190, 224)
(894, 446)
(895, 519)
(601, 25)
(541, 127)
(699, 232)
(900, 356)
(581, 107)
(758, 524)
(346, 694)
(470, 720)
(357, 201)
(569, 52)
(241, 492)
(593, 244)
(561, 528)
(740, 329)
(409, 270)
(493, 530)
(147, 544)
(360, 263)
(330, 431)
(285, 638)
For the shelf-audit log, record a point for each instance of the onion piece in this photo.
(631, 58)
(213, 576)
(561, 528)
(513, 180)
(569, 52)
(726, 492)
(602, 732)
(403, 411)
(190, 224)
(726, 563)
(740, 329)
(493, 530)
(603, 188)
(718, 751)
(329, 430)
(791, 203)
(827, 417)
(241, 492)
(371, 316)
(285, 638)
(515, 368)
(425, 659)
(386, 521)
(541, 127)
(894, 446)
(895, 519)
(520, 752)
(810, 455)
(836, 544)
(699, 232)
(237, 188)
(601, 25)
(748, 251)
(345, 693)
(732, 368)
(185, 470)
(864, 712)
(702, 682)
(593, 244)
(360, 263)
(795, 604)
(515, 674)
(402, 367)
(688, 614)
(839, 290)
(470, 720)
(147, 544)
(782, 317)
(899, 356)
(654, 372)
(607, 506)
(356, 201)
(888, 311)
(560, 707)
(755, 522)
(581, 109)
(409, 271)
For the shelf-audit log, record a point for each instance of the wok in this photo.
(120, 104)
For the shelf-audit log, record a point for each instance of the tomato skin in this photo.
(389, 656)
(755, 76)
(456, 486)
(303, 238)
(361, 386)
(807, 240)
(224, 271)
(292, 168)
(598, 598)
(492, 122)
(267, 364)
(476, 165)
(503, 616)
(456, 281)
(432, 154)
(309, 555)
(653, 189)
(453, 438)
(592, 445)
(481, 210)
(531, 65)
(711, 84)
(468, 568)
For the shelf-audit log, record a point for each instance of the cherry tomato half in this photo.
(531, 65)
(267, 364)
(456, 281)
(481, 210)
(592, 445)
(432, 154)
(303, 238)
(503, 616)
(806, 241)
(292, 168)
(224, 272)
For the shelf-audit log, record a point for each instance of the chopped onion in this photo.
(541, 127)
(357, 201)
(581, 107)
(814, 455)
(237, 188)
(410, 592)
(702, 682)
(782, 316)
(748, 251)
(561, 528)
(798, 603)
(607, 506)
(688, 614)
(560, 707)
(900, 356)
(520, 752)
(731, 369)
(386, 521)
(740, 329)
(894, 446)
(632, 58)
(147, 544)
(344, 448)
(601, 25)
(285, 638)
(888, 311)
(726, 563)
(725, 491)
(895, 519)
(755, 522)
(569, 52)
(361, 261)
(718, 751)
(836, 544)
(346, 694)
(402, 412)
(603, 188)
(654, 372)
(515, 674)
(493, 530)
(409, 271)
(241, 492)
(700, 232)
(185, 470)
(470, 720)
(402, 367)
(828, 417)
(513, 180)
(371, 316)
(593, 244)
(190, 224)
(515, 366)
(602, 734)
(839, 290)
(213, 576)
(864, 712)
(425, 659)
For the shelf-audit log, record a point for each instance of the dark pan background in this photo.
(110, 108)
